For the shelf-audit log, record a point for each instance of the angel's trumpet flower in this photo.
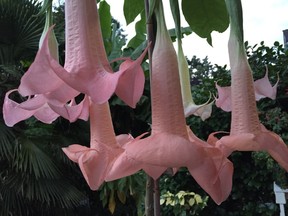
(86, 68)
(247, 134)
(45, 107)
(262, 89)
(95, 162)
(89, 72)
(172, 144)
(202, 110)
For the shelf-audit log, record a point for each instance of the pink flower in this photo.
(86, 68)
(51, 89)
(246, 134)
(172, 144)
(97, 163)
(47, 106)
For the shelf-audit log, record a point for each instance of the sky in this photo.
(264, 20)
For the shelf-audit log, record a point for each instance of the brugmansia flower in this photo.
(262, 89)
(96, 162)
(86, 70)
(41, 105)
(203, 110)
(172, 144)
(247, 134)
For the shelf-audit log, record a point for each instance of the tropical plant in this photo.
(31, 182)
(252, 192)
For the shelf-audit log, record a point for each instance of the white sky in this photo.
(264, 20)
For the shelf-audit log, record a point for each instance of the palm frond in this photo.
(20, 30)
(30, 158)
(33, 178)
(20, 193)
(6, 139)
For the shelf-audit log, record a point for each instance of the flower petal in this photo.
(131, 83)
(40, 77)
(224, 98)
(263, 88)
(73, 112)
(33, 103)
(93, 165)
(12, 113)
(45, 114)
(74, 151)
(202, 110)
(217, 182)
(96, 82)
(178, 151)
(123, 166)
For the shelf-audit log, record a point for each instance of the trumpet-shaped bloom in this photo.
(48, 106)
(97, 161)
(89, 67)
(86, 68)
(262, 89)
(203, 110)
(246, 134)
(172, 144)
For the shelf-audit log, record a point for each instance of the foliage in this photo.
(123, 195)
(20, 31)
(37, 178)
(33, 167)
(183, 203)
(202, 16)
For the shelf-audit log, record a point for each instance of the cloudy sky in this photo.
(264, 20)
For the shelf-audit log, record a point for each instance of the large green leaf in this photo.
(132, 8)
(140, 28)
(105, 19)
(205, 16)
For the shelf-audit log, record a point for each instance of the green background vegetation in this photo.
(36, 178)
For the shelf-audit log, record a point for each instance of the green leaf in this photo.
(205, 16)
(6, 141)
(112, 203)
(20, 30)
(182, 201)
(184, 31)
(140, 36)
(191, 201)
(198, 199)
(105, 19)
(132, 8)
(121, 196)
(32, 159)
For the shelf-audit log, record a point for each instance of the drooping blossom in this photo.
(246, 133)
(262, 89)
(86, 68)
(85, 63)
(96, 161)
(172, 144)
(41, 105)
(190, 108)
(202, 110)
